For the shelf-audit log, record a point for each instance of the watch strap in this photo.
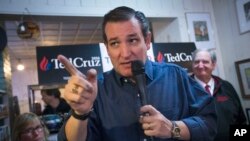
(81, 117)
(175, 131)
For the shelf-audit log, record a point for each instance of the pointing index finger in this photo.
(68, 66)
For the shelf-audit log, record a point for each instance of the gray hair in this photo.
(210, 51)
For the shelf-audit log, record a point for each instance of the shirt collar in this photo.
(148, 73)
(149, 69)
(210, 82)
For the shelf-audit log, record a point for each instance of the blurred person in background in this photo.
(29, 127)
(54, 103)
(228, 105)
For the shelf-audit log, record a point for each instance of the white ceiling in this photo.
(54, 31)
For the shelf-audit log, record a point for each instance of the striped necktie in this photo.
(207, 88)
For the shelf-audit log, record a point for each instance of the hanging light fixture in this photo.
(20, 65)
(28, 29)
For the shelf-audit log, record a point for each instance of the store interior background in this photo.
(64, 22)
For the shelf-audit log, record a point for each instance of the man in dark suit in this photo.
(229, 109)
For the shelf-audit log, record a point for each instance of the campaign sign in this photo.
(83, 57)
(177, 53)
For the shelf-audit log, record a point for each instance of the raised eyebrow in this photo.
(113, 39)
(133, 35)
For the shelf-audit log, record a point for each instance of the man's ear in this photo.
(214, 65)
(148, 40)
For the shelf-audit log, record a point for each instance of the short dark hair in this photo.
(124, 13)
(52, 92)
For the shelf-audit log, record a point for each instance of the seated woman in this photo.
(29, 127)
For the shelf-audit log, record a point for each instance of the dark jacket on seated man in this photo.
(54, 103)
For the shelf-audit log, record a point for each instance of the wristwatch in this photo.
(175, 131)
(81, 117)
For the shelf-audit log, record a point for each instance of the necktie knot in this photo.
(207, 88)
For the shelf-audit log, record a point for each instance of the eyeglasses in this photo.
(38, 128)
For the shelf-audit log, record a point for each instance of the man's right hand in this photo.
(80, 91)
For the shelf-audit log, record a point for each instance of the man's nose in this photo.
(125, 50)
(200, 65)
